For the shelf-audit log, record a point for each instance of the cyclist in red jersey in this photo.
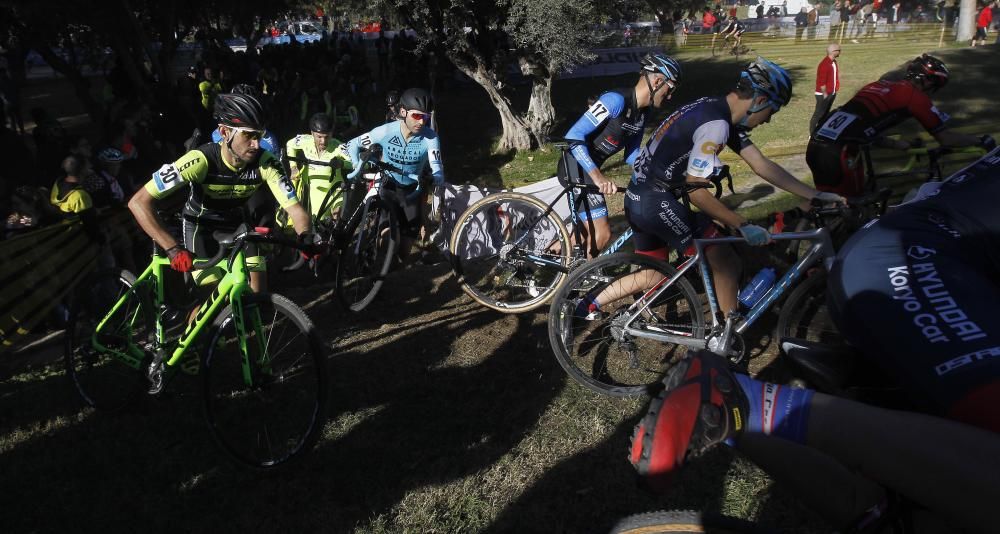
(833, 153)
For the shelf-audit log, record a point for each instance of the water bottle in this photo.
(757, 287)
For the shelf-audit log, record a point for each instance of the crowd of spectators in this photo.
(344, 74)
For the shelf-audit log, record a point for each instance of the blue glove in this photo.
(439, 180)
(755, 235)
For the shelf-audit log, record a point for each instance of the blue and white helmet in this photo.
(767, 78)
(662, 64)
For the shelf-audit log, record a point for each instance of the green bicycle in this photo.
(261, 361)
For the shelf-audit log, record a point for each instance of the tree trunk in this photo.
(516, 135)
(966, 21)
(81, 85)
(541, 116)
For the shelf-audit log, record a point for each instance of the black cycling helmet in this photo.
(320, 123)
(247, 89)
(392, 99)
(416, 99)
(929, 70)
(239, 110)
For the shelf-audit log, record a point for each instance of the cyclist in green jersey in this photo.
(312, 181)
(221, 177)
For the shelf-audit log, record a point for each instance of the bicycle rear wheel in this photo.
(265, 382)
(685, 521)
(367, 257)
(596, 351)
(508, 254)
(103, 380)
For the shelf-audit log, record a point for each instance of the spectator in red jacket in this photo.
(827, 84)
(983, 21)
(708, 20)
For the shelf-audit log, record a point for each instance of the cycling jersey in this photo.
(688, 142)
(218, 192)
(917, 290)
(315, 179)
(877, 107)
(734, 26)
(411, 157)
(833, 153)
(268, 142)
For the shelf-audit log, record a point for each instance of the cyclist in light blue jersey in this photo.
(612, 123)
(411, 146)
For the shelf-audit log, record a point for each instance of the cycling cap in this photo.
(662, 64)
(416, 99)
(110, 155)
(247, 89)
(239, 110)
(320, 123)
(929, 69)
(767, 78)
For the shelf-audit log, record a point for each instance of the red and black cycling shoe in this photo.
(701, 405)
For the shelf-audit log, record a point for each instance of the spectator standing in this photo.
(983, 21)
(708, 20)
(812, 20)
(760, 11)
(801, 21)
(827, 85)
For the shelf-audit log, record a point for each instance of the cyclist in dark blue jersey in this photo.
(685, 148)
(613, 123)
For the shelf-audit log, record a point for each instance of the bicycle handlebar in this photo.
(229, 240)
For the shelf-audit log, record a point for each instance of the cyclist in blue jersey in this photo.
(411, 146)
(685, 148)
(613, 123)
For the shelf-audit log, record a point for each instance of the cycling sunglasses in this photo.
(416, 115)
(248, 133)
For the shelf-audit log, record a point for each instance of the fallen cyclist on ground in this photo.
(914, 292)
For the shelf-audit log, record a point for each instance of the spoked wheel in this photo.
(719, 47)
(367, 257)
(805, 314)
(594, 348)
(265, 381)
(97, 359)
(508, 254)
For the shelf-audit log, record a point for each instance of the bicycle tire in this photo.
(281, 415)
(102, 380)
(684, 521)
(514, 219)
(805, 314)
(588, 350)
(367, 257)
(718, 47)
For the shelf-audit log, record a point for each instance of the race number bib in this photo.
(598, 112)
(835, 125)
(167, 178)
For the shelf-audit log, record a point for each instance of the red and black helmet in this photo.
(239, 110)
(929, 70)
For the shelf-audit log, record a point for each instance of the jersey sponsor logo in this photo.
(611, 140)
(700, 164)
(287, 187)
(597, 113)
(434, 155)
(166, 178)
(941, 316)
(768, 407)
(835, 125)
(966, 359)
(711, 148)
(189, 164)
(395, 141)
(918, 252)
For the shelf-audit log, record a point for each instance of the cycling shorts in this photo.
(919, 299)
(837, 168)
(198, 239)
(980, 34)
(596, 206)
(407, 205)
(661, 223)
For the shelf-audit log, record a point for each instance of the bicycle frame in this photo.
(233, 285)
(821, 250)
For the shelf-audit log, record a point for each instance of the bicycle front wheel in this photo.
(683, 522)
(805, 314)
(508, 254)
(719, 47)
(594, 348)
(367, 257)
(97, 359)
(265, 381)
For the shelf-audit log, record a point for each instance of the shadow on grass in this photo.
(403, 417)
